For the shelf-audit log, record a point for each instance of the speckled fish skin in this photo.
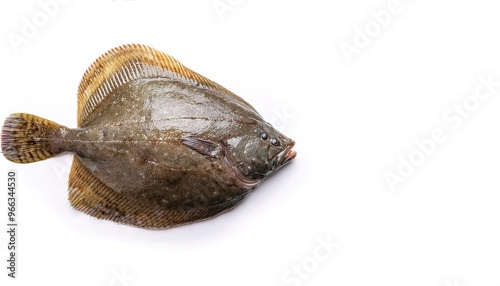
(148, 144)
(157, 145)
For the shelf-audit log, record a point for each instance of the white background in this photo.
(352, 120)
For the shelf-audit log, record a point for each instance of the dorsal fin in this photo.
(126, 63)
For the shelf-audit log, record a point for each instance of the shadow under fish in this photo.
(157, 145)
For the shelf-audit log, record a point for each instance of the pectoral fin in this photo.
(204, 147)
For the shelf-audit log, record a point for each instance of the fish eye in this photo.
(274, 142)
(263, 136)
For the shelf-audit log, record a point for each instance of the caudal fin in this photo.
(28, 138)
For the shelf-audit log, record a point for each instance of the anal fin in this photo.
(90, 195)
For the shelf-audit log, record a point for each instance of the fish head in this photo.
(263, 151)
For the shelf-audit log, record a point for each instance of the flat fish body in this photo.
(157, 145)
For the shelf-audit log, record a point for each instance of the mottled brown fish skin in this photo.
(154, 151)
(142, 132)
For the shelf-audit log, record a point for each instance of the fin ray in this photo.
(27, 138)
(204, 147)
(129, 62)
(91, 196)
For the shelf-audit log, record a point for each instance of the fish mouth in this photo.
(287, 155)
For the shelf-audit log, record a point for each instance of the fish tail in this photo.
(27, 138)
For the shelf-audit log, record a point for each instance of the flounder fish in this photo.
(157, 144)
